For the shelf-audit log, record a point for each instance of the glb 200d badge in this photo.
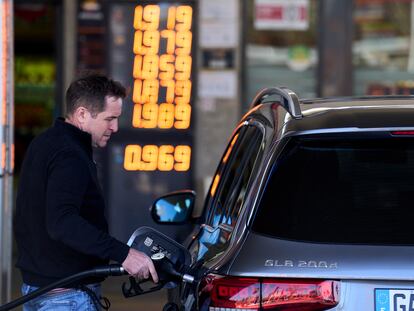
(321, 264)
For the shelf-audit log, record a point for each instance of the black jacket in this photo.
(60, 226)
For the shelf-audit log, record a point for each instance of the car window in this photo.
(341, 191)
(235, 171)
(227, 193)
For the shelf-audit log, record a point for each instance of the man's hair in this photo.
(90, 92)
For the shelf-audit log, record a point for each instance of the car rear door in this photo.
(227, 192)
(225, 199)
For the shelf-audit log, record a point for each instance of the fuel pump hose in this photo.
(110, 270)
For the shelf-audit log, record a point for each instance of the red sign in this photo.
(281, 14)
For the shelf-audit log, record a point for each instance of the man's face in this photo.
(104, 123)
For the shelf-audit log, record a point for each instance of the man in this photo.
(60, 225)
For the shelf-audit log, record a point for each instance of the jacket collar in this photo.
(83, 138)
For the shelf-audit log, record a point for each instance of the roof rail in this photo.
(290, 100)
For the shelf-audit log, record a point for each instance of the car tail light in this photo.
(220, 293)
(299, 295)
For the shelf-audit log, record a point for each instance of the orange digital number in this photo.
(166, 158)
(171, 18)
(149, 158)
(149, 116)
(166, 116)
(137, 93)
(183, 67)
(146, 116)
(147, 18)
(147, 42)
(182, 157)
(132, 158)
(151, 40)
(183, 116)
(170, 85)
(183, 40)
(152, 157)
(167, 67)
(171, 37)
(184, 17)
(151, 71)
(183, 92)
(136, 115)
(146, 67)
(145, 91)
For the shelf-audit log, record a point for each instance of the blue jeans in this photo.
(61, 300)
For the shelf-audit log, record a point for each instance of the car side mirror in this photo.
(174, 208)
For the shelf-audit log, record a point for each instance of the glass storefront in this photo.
(35, 72)
(383, 47)
(281, 46)
(283, 54)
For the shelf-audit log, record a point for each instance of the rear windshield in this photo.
(347, 191)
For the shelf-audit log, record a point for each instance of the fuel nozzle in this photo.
(166, 270)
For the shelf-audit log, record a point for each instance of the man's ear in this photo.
(81, 114)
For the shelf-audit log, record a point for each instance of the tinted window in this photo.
(350, 191)
(228, 192)
(234, 173)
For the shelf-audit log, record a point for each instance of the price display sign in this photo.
(152, 53)
(162, 84)
(162, 72)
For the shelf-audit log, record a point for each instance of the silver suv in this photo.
(311, 208)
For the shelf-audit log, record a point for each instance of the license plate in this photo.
(394, 299)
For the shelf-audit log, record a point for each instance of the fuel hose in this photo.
(110, 270)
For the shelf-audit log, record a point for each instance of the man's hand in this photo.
(140, 265)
